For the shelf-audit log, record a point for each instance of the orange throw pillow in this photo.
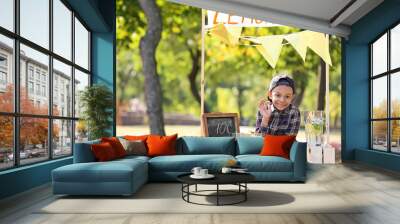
(135, 138)
(277, 145)
(116, 145)
(161, 145)
(103, 151)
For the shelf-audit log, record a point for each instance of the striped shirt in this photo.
(286, 122)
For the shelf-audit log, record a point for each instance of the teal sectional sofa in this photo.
(125, 176)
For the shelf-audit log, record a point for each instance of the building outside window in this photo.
(385, 97)
(34, 80)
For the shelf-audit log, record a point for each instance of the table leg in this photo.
(217, 194)
(196, 188)
(245, 191)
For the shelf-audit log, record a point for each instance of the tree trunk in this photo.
(192, 77)
(301, 81)
(152, 86)
(321, 89)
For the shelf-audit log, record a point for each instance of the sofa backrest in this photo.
(191, 145)
(249, 145)
(83, 152)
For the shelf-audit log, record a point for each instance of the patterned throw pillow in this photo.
(134, 147)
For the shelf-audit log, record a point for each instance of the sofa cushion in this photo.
(277, 145)
(112, 171)
(161, 145)
(103, 152)
(257, 163)
(249, 145)
(185, 163)
(116, 145)
(134, 147)
(189, 145)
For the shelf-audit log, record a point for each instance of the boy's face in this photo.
(281, 96)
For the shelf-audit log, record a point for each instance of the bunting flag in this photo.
(228, 35)
(319, 43)
(270, 48)
(299, 43)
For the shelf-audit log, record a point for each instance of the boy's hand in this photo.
(265, 108)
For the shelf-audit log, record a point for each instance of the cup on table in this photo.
(196, 171)
(203, 172)
(226, 170)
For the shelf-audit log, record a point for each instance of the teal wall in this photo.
(103, 66)
(99, 16)
(355, 74)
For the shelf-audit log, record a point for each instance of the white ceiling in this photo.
(324, 16)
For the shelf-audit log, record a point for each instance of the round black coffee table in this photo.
(238, 179)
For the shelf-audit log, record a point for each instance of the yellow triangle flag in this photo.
(319, 43)
(228, 35)
(234, 34)
(270, 48)
(299, 42)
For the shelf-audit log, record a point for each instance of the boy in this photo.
(277, 115)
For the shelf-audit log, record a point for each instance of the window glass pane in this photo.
(379, 98)
(62, 138)
(34, 72)
(7, 14)
(35, 21)
(395, 47)
(62, 89)
(81, 45)
(379, 135)
(62, 29)
(6, 74)
(81, 81)
(6, 142)
(379, 55)
(395, 136)
(33, 139)
(395, 94)
(81, 131)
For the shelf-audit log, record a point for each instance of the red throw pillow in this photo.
(161, 145)
(116, 145)
(103, 152)
(135, 138)
(277, 145)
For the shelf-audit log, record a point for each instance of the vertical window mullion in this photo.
(371, 142)
(389, 106)
(50, 87)
(16, 84)
(73, 82)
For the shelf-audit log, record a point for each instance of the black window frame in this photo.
(388, 74)
(16, 115)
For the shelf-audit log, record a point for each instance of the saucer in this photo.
(208, 176)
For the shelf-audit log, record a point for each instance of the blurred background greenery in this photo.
(236, 77)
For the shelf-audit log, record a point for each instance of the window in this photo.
(55, 126)
(6, 71)
(3, 72)
(44, 91)
(7, 14)
(30, 87)
(385, 97)
(81, 45)
(30, 72)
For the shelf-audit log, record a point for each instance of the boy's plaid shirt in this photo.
(286, 122)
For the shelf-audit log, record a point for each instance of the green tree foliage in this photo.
(236, 77)
(97, 104)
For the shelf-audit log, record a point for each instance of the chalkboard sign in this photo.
(220, 124)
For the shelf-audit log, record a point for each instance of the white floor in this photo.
(377, 189)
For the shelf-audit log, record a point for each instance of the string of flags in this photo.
(270, 46)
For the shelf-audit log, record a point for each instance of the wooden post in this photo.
(202, 81)
(327, 99)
